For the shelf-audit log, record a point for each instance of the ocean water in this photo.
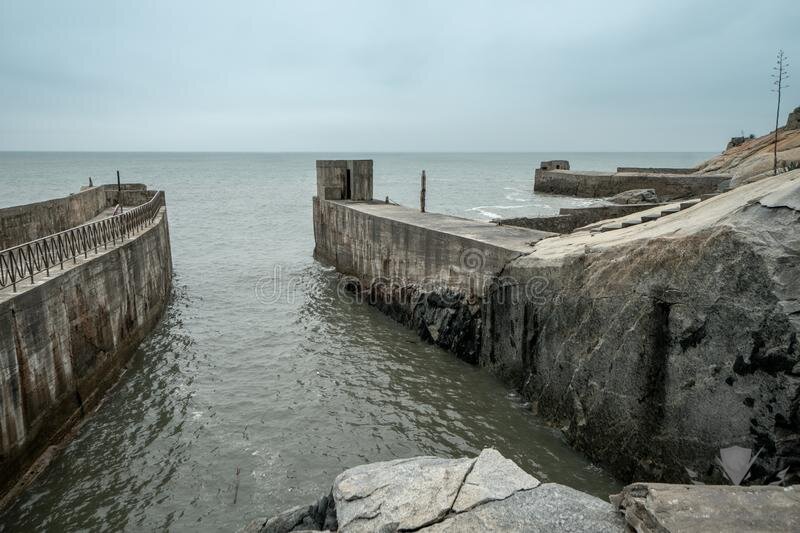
(260, 366)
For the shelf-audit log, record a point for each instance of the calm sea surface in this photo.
(259, 366)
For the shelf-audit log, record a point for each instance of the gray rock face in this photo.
(655, 508)
(549, 508)
(493, 477)
(405, 494)
(656, 346)
(635, 196)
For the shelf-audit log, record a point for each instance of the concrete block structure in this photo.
(344, 179)
(555, 164)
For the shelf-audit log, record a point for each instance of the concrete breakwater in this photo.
(652, 346)
(592, 184)
(65, 338)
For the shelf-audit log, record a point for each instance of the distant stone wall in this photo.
(64, 341)
(24, 223)
(598, 184)
(570, 219)
(657, 170)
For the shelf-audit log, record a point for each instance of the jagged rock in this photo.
(635, 196)
(405, 493)
(658, 508)
(320, 516)
(493, 477)
(546, 509)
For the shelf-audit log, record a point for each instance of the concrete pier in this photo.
(653, 340)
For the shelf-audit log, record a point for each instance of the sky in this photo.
(391, 76)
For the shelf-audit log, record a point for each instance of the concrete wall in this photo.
(571, 218)
(657, 170)
(24, 223)
(598, 184)
(371, 246)
(63, 341)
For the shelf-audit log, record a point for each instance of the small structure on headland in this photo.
(555, 164)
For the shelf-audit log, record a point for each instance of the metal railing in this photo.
(26, 260)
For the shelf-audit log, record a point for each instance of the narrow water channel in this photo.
(262, 365)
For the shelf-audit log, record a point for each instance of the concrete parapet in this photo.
(24, 223)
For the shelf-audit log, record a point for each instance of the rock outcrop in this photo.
(753, 159)
(659, 508)
(431, 494)
(656, 345)
(793, 122)
(635, 196)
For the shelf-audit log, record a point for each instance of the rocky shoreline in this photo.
(491, 493)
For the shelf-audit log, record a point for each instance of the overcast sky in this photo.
(390, 76)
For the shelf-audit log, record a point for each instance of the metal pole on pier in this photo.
(422, 194)
(119, 192)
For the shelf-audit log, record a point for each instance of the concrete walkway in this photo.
(509, 237)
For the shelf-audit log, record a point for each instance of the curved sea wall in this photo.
(65, 339)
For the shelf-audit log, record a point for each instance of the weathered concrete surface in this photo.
(487, 493)
(656, 345)
(23, 223)
(64, 340)
(661, 508)
(572, 218)
(598, 184)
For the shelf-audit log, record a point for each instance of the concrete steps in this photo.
(666, 211)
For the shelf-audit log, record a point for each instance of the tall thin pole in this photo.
(780, 83)
(119, 192)
(422, 194)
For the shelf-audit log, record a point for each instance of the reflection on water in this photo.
(260, 365)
